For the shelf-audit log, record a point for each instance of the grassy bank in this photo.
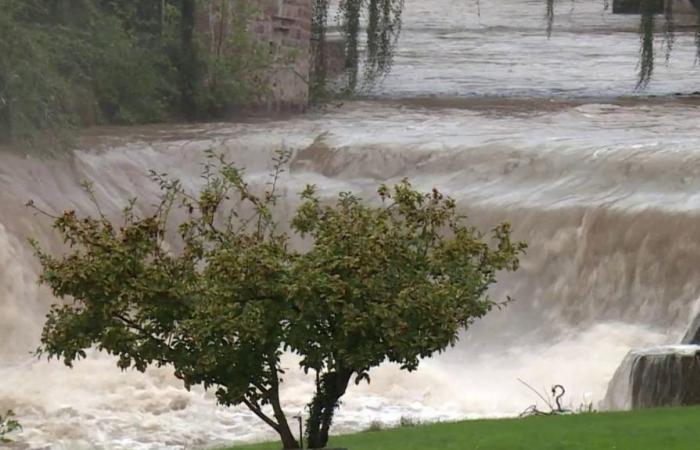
(658, 429)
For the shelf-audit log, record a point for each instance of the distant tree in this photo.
(395, 280)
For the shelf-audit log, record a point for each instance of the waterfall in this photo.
(612, 262)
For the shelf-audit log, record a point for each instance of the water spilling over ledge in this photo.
(574, 182)
(656, 377)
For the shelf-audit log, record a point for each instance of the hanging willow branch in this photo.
(669, 30)
(646, 57)
(350, 11)
(647, 9)
(382, 31)
(697, 40)
(319, 26)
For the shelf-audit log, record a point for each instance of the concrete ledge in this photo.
(656, 377)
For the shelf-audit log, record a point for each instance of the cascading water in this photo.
(603, 188)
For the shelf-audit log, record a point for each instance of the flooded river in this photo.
(601, 180)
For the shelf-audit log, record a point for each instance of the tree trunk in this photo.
(279, 424)
(285, 433)
(5, 113)
(288, 439)
(188, 64)
(329, 389)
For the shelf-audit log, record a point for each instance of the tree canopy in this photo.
(220, 294)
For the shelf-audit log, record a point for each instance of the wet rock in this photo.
(655, 377)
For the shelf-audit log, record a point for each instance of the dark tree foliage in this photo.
(646, 54)
(396, 280)
(669, 30)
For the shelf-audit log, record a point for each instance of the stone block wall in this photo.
(283, 26)
(286, 26)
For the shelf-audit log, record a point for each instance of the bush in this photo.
(407, 421)
(375, 425)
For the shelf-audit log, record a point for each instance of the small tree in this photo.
(395, 281)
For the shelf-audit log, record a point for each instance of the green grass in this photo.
(657, 429)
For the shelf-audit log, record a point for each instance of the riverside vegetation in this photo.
(394, 280)
(74, 63)
(68, 63)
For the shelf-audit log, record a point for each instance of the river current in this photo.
(601, 180)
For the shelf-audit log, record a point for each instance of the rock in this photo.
(655, 377)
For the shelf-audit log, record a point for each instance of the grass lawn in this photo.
(657, 429)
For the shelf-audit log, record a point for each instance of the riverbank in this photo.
(651, 429)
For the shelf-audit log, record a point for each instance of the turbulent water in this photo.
(603, 183)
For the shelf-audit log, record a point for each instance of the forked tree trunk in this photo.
(329, 389)
(279, 423)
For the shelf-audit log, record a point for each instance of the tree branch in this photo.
(258, 412)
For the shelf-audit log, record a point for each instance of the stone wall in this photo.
(283, 26)
(286, 26)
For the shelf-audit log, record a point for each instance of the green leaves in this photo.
(395, 280)
(8, 425)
